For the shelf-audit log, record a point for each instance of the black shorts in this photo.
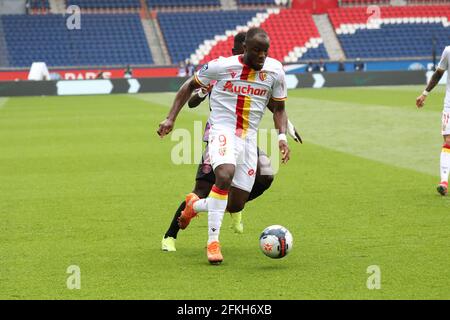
(205, 172)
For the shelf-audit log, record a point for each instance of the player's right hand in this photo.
(285, 151)
(165, 127)
(420, 101)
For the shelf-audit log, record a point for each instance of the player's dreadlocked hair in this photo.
(253, 32)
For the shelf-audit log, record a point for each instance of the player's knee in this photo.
(447, 139)
(266, 180)
(224, 176)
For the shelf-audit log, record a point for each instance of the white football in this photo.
(276, 241)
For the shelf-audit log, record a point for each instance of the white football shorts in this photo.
(227, 148)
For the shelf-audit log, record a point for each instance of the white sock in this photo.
(445, 162)
(201, 205)
(217, 204)
(214, 224)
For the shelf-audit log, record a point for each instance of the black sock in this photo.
(174, 228)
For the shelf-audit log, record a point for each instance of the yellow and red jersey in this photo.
(239, 97)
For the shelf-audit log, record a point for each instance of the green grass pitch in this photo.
(86, 181)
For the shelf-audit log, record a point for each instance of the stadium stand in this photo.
(184, 32)
(256, 2)
(103, 40)
(261, 4)
(105, 4)
(39, 4)
(4, 61)
(199, 31)
(293, 35)
(360, 15)
(398, 32)
(355, 3)
(411, 40)
(152, 4)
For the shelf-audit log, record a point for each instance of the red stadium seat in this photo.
(287, 30)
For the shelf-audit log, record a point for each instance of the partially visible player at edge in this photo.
(238, 100)
(445, 130)
(205, 177)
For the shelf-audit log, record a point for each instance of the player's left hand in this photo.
(165, 127)
(285, 151)
(420, 101)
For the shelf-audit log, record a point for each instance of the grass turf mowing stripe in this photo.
(408, 138)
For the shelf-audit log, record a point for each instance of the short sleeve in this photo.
(208, 73)
(443, 64)
(279, 90)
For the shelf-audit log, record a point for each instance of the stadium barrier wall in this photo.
(162, 72)
(90, 74)
(115, 86)
(402, 65)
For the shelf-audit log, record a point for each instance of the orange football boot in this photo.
(188, 213)
(213, 252)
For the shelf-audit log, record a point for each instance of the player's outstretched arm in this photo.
(291, 128)
(280, 121)
(437, 75)
(183, 95)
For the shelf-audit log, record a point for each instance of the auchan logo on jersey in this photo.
(244, 89)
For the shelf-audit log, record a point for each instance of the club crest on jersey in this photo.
(244, 90)
(263, 76)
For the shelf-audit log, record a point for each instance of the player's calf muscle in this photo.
(202, 188)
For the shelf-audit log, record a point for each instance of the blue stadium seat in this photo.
(315, 53)
(105, 4)
(255, 2)
(102, 40)
(182, 3)
(395, 40)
